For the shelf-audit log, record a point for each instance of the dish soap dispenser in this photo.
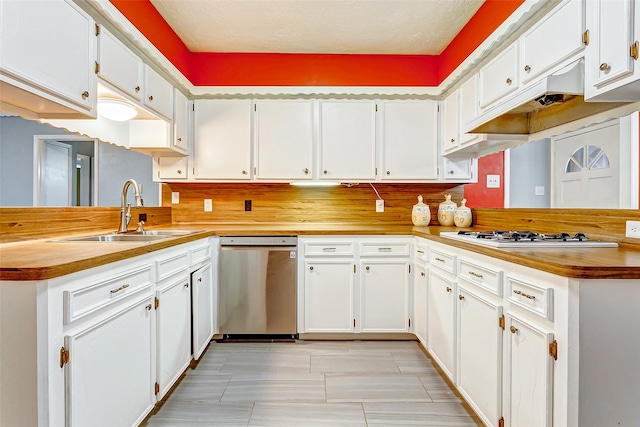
(446, 211)
(421, 214)
(463, 217)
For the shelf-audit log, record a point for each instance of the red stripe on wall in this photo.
(273, 69)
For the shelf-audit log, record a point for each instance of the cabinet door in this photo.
(49, 45)
(110, 373)
(328, 294)
(529, 375)
(468, 110)
(499, 77)
(173, 333)
(409, 139)
(284, 139)
(458, 169)
(450, 123)
(119, 66)
(222, 139)
(172, 168)
(554, 38)
(180, 122)
(384, 289)
(419, 318)
(347, 140)
(480, 355)
(158, 93)
(202, 303)
(441, 329)
(611, 33)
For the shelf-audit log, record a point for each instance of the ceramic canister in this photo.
(421, 214)
(446, 211)
(462, 217)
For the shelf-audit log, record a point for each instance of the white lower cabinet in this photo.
(480, 354)
(109, 376)
(441, 322)
(529, 375)
(203, 298)
(419, 317)
(328, 293)
(384, 298)
(173, 332)
(354, 285)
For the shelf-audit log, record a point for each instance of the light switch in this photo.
(175, 198)
(208, 205)
(539, 190)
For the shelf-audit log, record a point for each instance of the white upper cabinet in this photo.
(468, 109)
(284, 139)
(47, 60)
(347, 140)
(555, 37)
(222, 139)
(180, 122)
(119, 66)
(409, 134)
(158, 93)
(611, 72)
(499, 77)
(450, 129)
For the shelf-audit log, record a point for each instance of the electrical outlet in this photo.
(493, 181)
(633, 229)
(142, 217)
(175, 197)
(247, 205)
(379, 205)
(208, 205)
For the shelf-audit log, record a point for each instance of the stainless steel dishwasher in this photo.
(257, 287)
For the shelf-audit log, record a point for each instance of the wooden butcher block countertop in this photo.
(45, 259)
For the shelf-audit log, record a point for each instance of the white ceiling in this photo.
(411, 27)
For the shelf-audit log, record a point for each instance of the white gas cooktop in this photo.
(496, 240)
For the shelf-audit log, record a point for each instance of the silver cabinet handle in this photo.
(328, 249)
(517, 292)
(439, 259)
(385, 249)
(474, 274)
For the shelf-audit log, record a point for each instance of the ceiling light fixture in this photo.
(114, 109)
(315, 183)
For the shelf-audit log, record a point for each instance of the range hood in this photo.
(553, 101)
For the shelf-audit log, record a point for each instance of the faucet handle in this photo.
(140, 226)
(128, 214)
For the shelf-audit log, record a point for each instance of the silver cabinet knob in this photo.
(527, 68)
(605, 67)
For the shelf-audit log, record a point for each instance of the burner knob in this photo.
(580, 237)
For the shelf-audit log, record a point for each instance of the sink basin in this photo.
(134, 236)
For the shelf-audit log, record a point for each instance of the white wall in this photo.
(529, 167)
(115, 166)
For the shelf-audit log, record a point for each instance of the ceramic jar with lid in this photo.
(421, 214)
(462, 217)
(446, 211)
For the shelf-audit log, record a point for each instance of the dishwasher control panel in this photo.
(259, 241)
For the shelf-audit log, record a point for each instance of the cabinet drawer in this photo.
(422, 252)
(443, 260)
(87, 300)
(170, 266)
(385, 249)
(328, 248)
(483, 277)
(200, 254)
(532, 297)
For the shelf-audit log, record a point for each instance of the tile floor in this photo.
(313, 383)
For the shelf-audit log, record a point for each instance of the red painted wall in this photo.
(259, 69)
(478, 195)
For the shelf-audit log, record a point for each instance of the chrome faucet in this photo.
(125, 208)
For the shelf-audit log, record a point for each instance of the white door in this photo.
(173, 333)
(384, 291)
(529, 375)
(586, 167)
(202, 294)
(328, 294)
(480, 355)
(441, 322)
(109, 375)
(56, 174)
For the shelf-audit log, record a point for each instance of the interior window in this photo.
(587, 157)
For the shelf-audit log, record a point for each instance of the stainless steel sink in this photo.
(134, 236)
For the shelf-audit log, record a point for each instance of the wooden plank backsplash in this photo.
(17, 224)
(287, 203)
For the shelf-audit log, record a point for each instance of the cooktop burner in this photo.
(522, 239)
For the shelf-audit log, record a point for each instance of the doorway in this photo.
(64, 172)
